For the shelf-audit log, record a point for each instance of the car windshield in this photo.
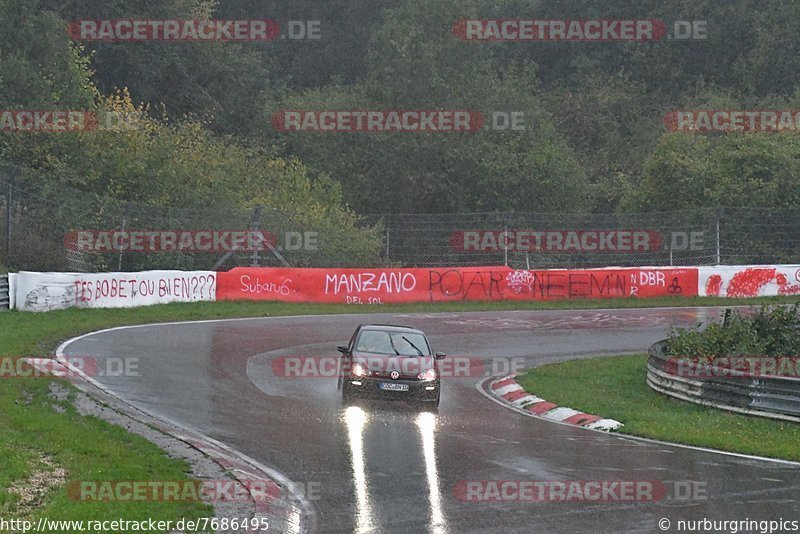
(396, 343)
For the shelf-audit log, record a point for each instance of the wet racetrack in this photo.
(386, 467)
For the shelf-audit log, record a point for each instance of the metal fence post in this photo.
(505, 242)
(670, 252)
(718, 217)
(386, 239)
(8, 221)
(255, 223)
(119, 262)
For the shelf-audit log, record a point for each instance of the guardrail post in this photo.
(5, 289)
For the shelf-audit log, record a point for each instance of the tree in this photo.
(418, 64)
(689, 170)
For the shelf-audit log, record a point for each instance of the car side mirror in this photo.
(342, 349)
(440, 355)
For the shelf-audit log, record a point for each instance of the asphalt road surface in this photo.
(388, 467)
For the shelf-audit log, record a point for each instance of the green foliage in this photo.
(160, 163)
(771, 331)
(41, 67)
(154, 159)
(216, 81)
(594, 138)
(418, 64)
(689, 171)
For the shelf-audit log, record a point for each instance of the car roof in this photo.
(391, 328)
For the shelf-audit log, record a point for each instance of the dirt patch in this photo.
(31, 491)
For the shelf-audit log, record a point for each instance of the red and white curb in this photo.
(510, 392)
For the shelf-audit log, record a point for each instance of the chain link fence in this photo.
(557, 240)
(38, 215)
(41, 223)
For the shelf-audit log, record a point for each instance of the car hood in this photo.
(383, 364)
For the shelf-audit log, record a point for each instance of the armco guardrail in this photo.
(5, 292)
(774, 397)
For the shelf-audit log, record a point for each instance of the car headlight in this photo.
(358, 370)
(427, 375)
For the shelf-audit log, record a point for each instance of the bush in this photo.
(771, 331)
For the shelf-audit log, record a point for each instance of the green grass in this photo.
(89, 448)
(615, 388)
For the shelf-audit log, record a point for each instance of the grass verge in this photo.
(615, 387)
(39, 433)
(36, 427)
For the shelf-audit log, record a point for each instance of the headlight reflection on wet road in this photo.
(355, 418)
(427, 426)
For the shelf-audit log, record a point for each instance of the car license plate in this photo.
(390, 386)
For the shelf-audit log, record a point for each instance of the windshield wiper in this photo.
(396, 352)
(404, 338)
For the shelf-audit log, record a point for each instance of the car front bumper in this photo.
(417, 389)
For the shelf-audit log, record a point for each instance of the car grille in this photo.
(386, 374)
